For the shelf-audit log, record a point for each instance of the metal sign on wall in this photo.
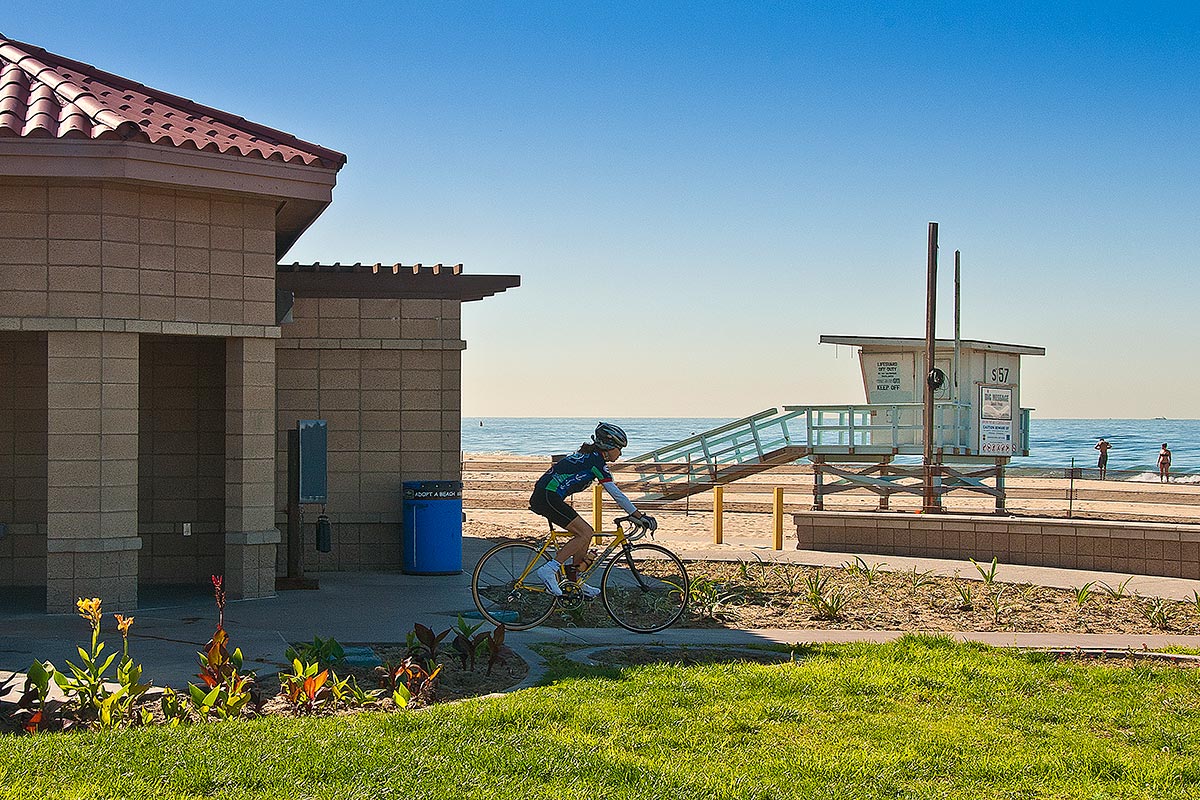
(997, 434)
(314, 459)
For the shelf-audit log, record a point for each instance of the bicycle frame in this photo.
(556, 537)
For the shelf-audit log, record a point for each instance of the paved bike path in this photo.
(382, 607)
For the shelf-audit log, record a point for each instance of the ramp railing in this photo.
(741, 442)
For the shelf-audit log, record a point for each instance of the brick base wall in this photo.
(1142, 548)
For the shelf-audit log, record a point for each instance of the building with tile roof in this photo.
(157, 353)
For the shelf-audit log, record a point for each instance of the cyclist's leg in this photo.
(581, 536)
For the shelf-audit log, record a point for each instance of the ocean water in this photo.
(1053, 443)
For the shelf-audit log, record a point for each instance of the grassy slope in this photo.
(919, 718)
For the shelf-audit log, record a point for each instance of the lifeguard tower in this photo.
(978, 426)
(978, 422)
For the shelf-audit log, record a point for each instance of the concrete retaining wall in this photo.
(1143, 548)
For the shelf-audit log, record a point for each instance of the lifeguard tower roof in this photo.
(913, 343)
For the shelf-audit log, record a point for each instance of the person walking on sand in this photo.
(1164, 464)
(1102, 464)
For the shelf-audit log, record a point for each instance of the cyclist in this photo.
(570, 475)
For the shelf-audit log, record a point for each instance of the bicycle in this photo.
(644, 587)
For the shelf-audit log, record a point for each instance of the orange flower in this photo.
(123, 624)
(89, 609)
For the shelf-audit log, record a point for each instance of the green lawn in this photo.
(918, 718)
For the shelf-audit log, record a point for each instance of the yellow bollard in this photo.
(597, 512)
(778, 517)
(718, 514)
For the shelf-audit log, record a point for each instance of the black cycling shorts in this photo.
(552, 507)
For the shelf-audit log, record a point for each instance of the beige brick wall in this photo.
(181, 458)
(250, 534)
(385, 374)
(107, 250)
(1143, 548)
(92, 468)
(23, 458)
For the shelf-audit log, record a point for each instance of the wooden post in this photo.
(884, 496)
(930, 503)
(718, 515)
(778, 517)
(818, 485)
(1000, 486)
(597, 512)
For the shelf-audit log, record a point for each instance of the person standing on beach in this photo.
(1103, 447)
(1164, 464)
(572, 474)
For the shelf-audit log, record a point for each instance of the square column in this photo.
(92, 469)
(251, 537)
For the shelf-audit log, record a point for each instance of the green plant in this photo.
(174, 708)
(465, 642)
(707, 597)
(918, 579)
(1158, 612)
(867, 573)
(86, 684)
(119, 706)
(304, 687)
(789, 575)
(965, 600)
(495, 645)
(814, 586)
(347, 692)
(1083, 593)
(831, 605)
(429, 640)
(759, 567)
(409, 682)
(1195, 603)
(988, 573)
(227, 690)
(997, 604)
(33, 712)
(1119, 591)
(224, 701)
(327, 652)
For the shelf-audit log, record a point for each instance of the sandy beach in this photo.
(496, 492)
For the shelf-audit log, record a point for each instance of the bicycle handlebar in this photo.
(634, 522)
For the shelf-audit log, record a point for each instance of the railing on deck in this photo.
(884, 429)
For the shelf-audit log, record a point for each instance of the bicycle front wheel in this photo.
(506, 590)
(645, 588)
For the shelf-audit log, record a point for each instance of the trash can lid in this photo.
(424, 490)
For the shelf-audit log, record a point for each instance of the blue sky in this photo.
(694, 193)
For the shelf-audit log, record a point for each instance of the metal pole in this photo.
(957, 332)
(930, 500)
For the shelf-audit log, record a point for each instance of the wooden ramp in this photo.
(724, 454)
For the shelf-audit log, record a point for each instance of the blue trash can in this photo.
(432, 533)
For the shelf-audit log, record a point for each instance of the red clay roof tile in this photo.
(43, 95)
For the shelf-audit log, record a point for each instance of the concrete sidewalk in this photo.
(382, 607)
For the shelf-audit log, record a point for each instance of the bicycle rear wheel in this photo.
(500, 592)
(645, 588)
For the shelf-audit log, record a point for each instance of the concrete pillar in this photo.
(250, 533)
(92, 469)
